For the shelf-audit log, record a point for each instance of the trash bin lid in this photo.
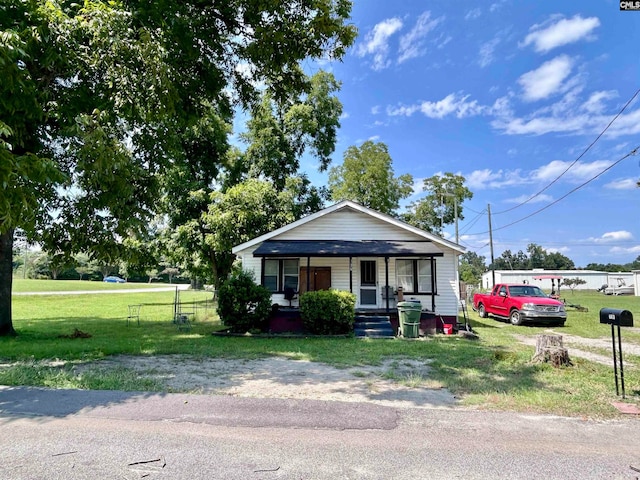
(409, 305)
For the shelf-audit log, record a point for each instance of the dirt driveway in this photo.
(400, 383)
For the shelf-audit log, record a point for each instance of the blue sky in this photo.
(508, 94)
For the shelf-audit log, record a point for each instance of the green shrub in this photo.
(243, 305)
(328, 312)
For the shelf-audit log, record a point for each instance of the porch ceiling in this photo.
(345, 248)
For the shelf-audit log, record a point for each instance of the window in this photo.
(290, 272)
(416, 276)
(280, 274)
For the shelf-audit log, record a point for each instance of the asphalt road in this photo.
(70, 434)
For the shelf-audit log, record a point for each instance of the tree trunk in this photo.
(6, 281)
(549, 349)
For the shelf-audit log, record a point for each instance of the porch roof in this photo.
(346, 248)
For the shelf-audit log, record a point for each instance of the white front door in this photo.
(368, 283)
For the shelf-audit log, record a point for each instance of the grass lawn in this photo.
(30, 285)
(493, 372)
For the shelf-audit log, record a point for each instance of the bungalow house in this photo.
(351, 247)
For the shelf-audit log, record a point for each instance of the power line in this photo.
(632, 152)
(474, 221)
(575, 161)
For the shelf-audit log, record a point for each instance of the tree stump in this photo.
(549, 349)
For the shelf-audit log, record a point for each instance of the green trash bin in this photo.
(409, 318)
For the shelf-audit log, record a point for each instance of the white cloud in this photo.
(610, 237)
(443, 40)
(375, 110)
(626, 124)
(563, 250)
(377, 42)
(486, 52)
(473, 14)
(486, 178)
(595, 102)
(452, 104)
(412, 44)
(623, 184)
(344, 115)
(560, 33)
(578, 172)
(546, 79)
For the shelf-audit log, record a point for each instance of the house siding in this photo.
(350, 226)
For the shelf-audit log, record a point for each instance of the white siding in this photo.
(349, 225)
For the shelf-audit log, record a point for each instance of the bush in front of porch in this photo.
(243, 305)
(328, 312)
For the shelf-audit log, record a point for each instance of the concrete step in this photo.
(372, 324)
(375, 333)
(372, 318)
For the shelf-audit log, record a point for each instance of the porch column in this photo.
(308, 274)
(433, 284)
(350, 274)
(386, 281)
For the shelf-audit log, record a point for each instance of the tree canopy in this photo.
(259, 189)
(107, 105)
(366, 176)
(444, 199)
(537, 257)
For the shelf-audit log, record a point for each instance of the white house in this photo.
(350, 247)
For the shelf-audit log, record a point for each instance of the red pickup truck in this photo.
(520, 304)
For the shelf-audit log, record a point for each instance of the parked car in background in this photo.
(114, 279)
(520, 304)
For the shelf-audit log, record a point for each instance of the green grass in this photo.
(493, 372)
(29, 285)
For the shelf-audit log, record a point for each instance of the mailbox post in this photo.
(619, 318)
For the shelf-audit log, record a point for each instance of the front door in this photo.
(368, 283)
(319, 278)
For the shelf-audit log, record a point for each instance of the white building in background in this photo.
(595, 279)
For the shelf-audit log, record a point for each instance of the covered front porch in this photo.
(376, 271)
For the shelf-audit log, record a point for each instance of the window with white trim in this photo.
(416, 275)
(279, 274)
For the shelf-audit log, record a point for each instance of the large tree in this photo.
(278, 134)
(366, 176)
(101, 98)
(444, 199)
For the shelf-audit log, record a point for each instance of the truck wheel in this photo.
(481, 311)
(515, 317)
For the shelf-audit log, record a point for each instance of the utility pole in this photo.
(493, 271)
